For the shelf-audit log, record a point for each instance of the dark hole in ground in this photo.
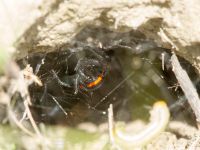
(124, 69)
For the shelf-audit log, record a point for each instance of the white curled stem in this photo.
(158, 121)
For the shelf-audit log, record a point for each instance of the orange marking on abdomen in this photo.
(96, 82)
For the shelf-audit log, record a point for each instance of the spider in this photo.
(88, 74)
(81, 75)
(91, 66)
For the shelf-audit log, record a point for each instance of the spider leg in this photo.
(99, 56)
(38, 66)
(66, 61)
(74, 79)
(76, 84)
(44, 93)
(59, 81)
(78, 64)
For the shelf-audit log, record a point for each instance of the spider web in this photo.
(134, 91)
(136, 80)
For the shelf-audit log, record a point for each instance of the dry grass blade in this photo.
(18, 123)
(20, 84)
(187, 86)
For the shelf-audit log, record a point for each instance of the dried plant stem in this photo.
(111, 128)
(31, 119)
(62, 109)
(18, 123)
(187, 86)
(20, 84)
(158, 121)
(111, 123)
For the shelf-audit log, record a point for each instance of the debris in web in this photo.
(159, 118)
(111, 123)
(22, 79)
(187, 87)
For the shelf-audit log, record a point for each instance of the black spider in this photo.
(92, 64)
(73, 75)
(91, 67)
